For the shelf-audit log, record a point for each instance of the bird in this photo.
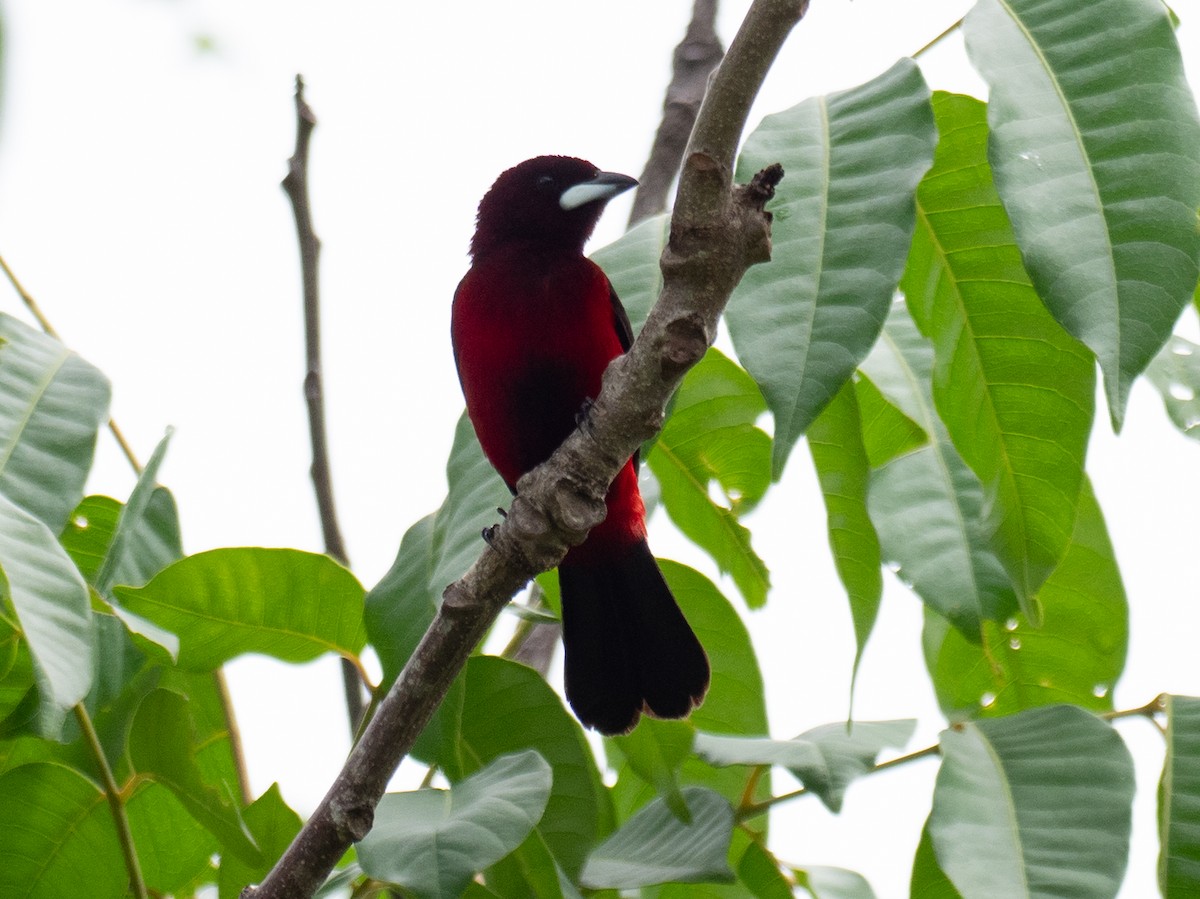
(534, 324)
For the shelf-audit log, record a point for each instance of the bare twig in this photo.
(295, 185)
(697, 55)
(717, 232)
(937, 40)
(754, 809)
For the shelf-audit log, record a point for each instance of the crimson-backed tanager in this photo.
(534, 325)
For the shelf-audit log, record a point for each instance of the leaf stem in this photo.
(115, 802)
(235, 735)
(754, 809)
(1155, 706)
(756, 774)
(937, 40)
(1150, 710)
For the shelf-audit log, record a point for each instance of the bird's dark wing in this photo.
(620, 319)
(625, 335)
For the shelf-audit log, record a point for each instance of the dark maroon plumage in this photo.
(534, 325)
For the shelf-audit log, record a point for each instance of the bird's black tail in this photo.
(629, 649)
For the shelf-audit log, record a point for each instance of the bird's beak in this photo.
(602, 186)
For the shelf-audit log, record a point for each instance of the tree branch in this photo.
(697, 55)
(295, 185)
(717, 232)
(694, 58)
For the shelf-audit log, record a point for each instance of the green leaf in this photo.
(802, 322)
(507, 707)
(88, 533)
(655, 847)
(711, 436)
(1175, 373)
(162, 745)
(274, 826)
(530, 871)
(52, 404)
(431, 842)
(475, 493)
(214, 751)
(927, 505)
(825, 759)
(173, 848)
(1015, 392)
(631, 263)
(283, 603)
(835, 440)
(887, 433)
(124, 675)
(122, 549)
(400, 607)
(1179, 801)
(1075, 656)
(17, 676)
(45, 594)
(1034, 805)
(834, 883)
(758, 871)
(1095, 145)
(434, 552)
(159, 645)
(654, 751)
(928, 880)
(56, 826)
(153, 545)
(734, 704)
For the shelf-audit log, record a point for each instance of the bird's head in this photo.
(553, 201)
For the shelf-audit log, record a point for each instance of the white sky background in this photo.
(140, 204)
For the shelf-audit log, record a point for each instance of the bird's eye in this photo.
(545, 182)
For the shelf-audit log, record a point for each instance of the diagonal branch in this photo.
(717, 232)
(694, 59)
(295, 185)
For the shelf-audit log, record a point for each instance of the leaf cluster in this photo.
(947, 277)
